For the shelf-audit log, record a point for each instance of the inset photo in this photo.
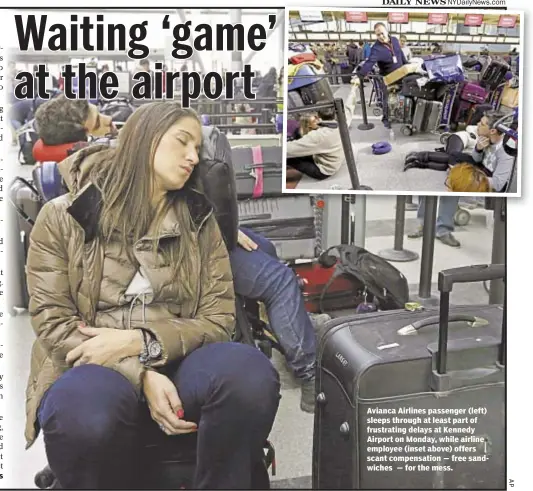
(403, 102)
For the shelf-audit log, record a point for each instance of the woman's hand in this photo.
(165, 404)
(245, 242)
(106, 346)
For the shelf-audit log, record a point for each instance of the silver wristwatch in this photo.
(152, 348)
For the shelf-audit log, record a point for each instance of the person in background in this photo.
(387, 54)
(63, 120)
(354, 52)
(467, 178)
(319, 154)
(406, 49)
(445, 220)
(436, 49)
(332, 64)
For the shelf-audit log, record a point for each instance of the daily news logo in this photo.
(413, 3)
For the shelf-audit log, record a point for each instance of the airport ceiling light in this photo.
(412, 37)
(464, 39)
(512, 40)
(302, 36)
(488, 39)
(437, 37)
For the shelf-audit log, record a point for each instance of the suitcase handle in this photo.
(467, 274)
(434, 321)
(263, 165)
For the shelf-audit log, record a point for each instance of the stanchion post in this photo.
(347, 143)
(497, 287)
(428, 246)
(398, 253)
(345, 219)
(360, 220)
(365, 125)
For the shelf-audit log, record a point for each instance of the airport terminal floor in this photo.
(292, 435)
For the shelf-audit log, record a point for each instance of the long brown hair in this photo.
(126, 182)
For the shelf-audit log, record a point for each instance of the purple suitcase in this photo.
(473, 93)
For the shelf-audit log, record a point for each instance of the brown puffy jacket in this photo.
(66, 283)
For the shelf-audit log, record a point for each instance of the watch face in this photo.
(154, 349)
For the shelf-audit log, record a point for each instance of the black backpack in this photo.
(386, 284)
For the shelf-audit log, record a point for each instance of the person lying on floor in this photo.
(257, 272)
(319, 153)
(490, 154)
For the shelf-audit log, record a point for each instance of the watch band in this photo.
(144, 356)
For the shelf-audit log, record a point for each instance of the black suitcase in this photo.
(258, 171)
(25, 206)
(288, 222)
(394, 392)
(494, 75)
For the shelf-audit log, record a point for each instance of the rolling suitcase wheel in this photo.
(461, 217)
(444, 138)
(407, 130)
(377, 112)
(45, 478)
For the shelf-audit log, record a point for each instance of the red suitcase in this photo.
(308, 57)
(343, 293)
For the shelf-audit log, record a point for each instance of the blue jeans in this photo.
(95, 425)
(259, 275)
(447, 208)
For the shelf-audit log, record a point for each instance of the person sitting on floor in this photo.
(319, 153)
(467, 178)
(490, 154)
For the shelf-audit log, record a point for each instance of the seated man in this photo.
(387, 53)
(63, 120)
(319, 153)
(489, 154)
(257, 272)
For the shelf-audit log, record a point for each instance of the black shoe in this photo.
(449, 240)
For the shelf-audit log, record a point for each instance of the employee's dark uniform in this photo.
(388, 57)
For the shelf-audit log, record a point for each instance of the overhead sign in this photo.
(473, 20)
(311, 15)
(441, 19)
(507, 21)
(356, 16)
(399, 17)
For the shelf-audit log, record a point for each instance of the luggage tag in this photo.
(414, 307)
(257, 172)
(365, 307)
